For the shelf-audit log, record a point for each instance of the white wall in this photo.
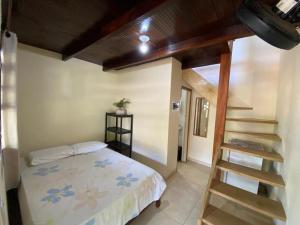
(151, 89)
(288, 114)
(253, 82)
(175, 95)
(65, 102)
(60, 102)
(148, 88)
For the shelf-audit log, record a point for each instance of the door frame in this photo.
(188, 120)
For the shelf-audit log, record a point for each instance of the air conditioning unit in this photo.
(278, 25)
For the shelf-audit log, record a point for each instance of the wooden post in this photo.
(222, 101)
(220, 124)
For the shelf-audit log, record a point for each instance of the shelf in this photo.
(118, 144)
(118, 130)
(116, 115)
(262, 205)
(273, 156)
(119, 147)
(252, 120)
(239, 108)
(261, 176)
(267, 136)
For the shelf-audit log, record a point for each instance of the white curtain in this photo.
(8, 91)
(9, 135)
(9, 140)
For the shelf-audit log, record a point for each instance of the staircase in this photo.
(257, 204)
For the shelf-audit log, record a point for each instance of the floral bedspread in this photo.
(101, 188)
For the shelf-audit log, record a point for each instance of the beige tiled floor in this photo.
(181, 201)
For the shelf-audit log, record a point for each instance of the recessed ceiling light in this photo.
(144, 48)
(144, 38)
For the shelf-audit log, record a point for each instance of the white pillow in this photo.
(49, 154)
(86, 147)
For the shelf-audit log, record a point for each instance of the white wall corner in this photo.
(175, 95)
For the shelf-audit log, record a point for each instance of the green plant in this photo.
(122, 103)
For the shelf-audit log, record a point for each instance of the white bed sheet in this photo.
(101, 188)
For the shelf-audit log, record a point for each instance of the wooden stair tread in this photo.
(268, 136)
(215, 216)
(239, 108)
(265, 206)
(252, 120)
(274, 156)
(264, 177)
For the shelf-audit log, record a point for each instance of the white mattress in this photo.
(101, 188)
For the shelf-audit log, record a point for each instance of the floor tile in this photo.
(180, 202)
(193, 217)
(154, 216)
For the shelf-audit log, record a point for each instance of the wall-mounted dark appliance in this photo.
(278, 25)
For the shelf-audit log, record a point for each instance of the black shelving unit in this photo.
(118, 143)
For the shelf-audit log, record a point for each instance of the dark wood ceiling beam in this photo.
(200, 62)
(99, 32)
(209, 39)
(207, 59)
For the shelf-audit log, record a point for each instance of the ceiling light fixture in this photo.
(144, 48)
(144, 38)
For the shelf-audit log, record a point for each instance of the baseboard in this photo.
(160, 168)
(199, 162)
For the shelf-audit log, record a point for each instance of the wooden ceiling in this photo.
(106, 32)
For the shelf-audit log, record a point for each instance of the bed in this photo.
(99, 188)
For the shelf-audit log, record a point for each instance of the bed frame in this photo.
(15, 214)
(157, 205)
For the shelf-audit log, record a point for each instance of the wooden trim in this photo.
(257, 203)
(267, 136)
(216, 216)
(189, 119)
(190, 116)
(198, 62)
(208, 118)
(253, 120)
(239, 108)
(223, 92)
(186, 88)
(198, 118)
(207, 193)
(258, 175)
(269, 155)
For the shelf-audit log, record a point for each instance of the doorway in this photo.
(184, 121)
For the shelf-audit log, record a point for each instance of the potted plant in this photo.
(122, 106)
